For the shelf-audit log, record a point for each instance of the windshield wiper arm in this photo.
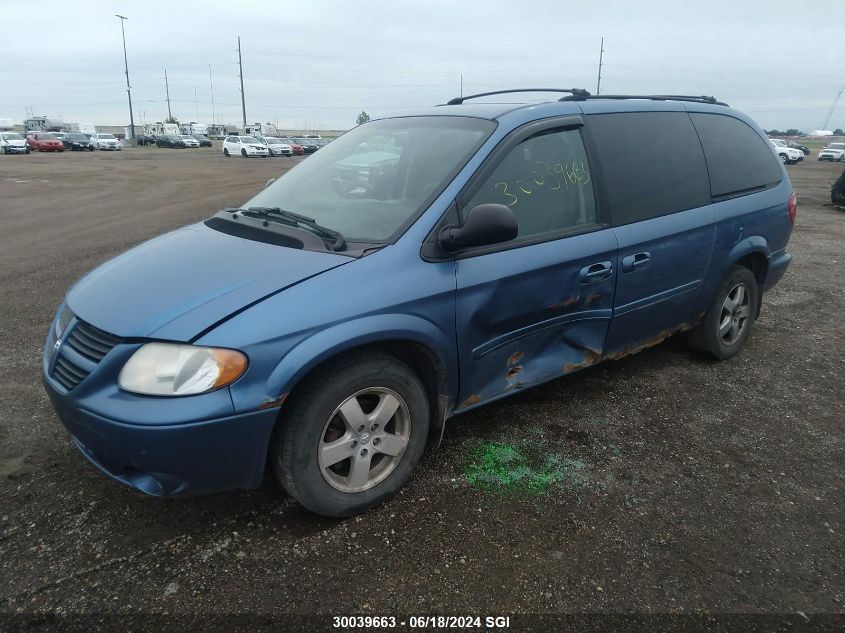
(295, 219)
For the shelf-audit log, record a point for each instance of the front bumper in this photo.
(15, 149)
(175, 459)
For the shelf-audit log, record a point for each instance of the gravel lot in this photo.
(700, 487)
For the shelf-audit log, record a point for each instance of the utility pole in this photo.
(211, 83)
(126, 66)
(196, 104)
(462, 85)
(601, 58)
(832, 108)
(167, 89)
(241, 74)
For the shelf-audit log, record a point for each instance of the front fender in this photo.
(351, 334)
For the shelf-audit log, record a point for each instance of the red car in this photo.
(44, 142)
(298, 150)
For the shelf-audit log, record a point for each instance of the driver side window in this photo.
(546, 182)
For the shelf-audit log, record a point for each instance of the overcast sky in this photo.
(318, 63)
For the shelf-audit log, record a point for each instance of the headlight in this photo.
(165, 369)
(65, 317)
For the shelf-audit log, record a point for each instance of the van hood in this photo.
(176, 286)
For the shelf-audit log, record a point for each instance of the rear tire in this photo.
(333, 452)
(729, 318)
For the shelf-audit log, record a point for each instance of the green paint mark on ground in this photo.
(521, 469)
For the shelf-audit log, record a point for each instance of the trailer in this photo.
(261, 129)
(194, 128)
(43, 124)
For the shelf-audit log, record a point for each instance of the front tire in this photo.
(243, 153)
(226, 152)
(729, 318)
(351, 436)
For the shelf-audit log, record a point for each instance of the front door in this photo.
(538, 307)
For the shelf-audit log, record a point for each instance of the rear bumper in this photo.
(778, 263)
(174, 460)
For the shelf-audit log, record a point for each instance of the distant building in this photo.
(821, 133)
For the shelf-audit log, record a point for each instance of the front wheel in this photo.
(784, 159)
(728, 320)
(243, 153)
(226, 152)
(351, 436)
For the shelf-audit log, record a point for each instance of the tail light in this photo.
(792, 205)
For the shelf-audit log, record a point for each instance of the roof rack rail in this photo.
(692, 98)
(575, 92)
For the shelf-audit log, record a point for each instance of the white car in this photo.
(13, 143)
(190, 141)
(277, 147)
(105, 141)
(788, 155)
(244, 145)
(834, 151)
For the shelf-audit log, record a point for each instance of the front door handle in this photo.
(596, 272)
(635, 262)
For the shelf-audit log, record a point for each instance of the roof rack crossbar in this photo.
(575, 92)
(691, 98)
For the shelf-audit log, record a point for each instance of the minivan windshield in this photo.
(369, 182)
(836, 146)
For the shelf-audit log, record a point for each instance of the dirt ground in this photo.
(701, 486)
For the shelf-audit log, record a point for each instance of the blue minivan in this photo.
(414, 269)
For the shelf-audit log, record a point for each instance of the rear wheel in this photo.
(728, 321)
(351, 436)
(784, 159)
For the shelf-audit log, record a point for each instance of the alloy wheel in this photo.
(364, 439)
(736, 310)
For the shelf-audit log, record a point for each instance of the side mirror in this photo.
(269, 182)
(485, 224)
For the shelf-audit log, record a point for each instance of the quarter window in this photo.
(546, 182)
(738, 158)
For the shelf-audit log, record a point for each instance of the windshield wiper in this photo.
(294, 219)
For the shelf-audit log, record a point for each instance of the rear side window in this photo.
(546, 182)
(738, 158)
(652, 164)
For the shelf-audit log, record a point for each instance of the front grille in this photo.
(89, 342)
(68, 374)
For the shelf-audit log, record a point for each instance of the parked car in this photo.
(837, 191)
(76, 141)
(328, 335)
(105, 141)
(833, 151)
(145, 139)
(13, 143)
(787, 155)
(804, 149)
(171, 141)
(295, 147)
(277, 147)
(245, 146)
(308, 144)
(190, 141)
(44, 142)
(203, 141)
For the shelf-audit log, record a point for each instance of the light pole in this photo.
(126, 66)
